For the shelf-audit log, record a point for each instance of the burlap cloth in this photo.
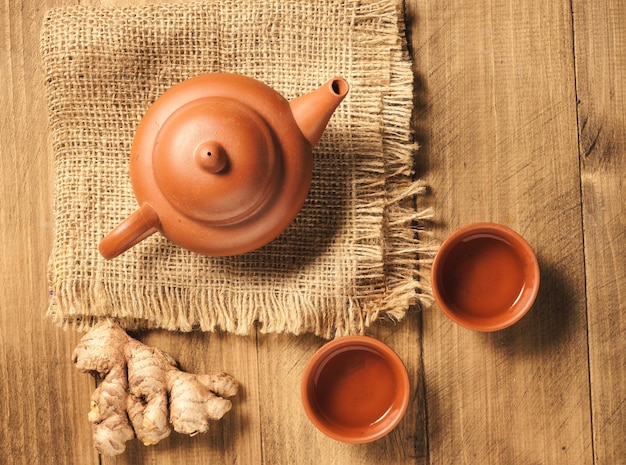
(351, 256)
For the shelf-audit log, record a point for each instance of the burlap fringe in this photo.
(407, 258)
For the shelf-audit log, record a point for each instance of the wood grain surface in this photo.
(600, 40)
(521, 118)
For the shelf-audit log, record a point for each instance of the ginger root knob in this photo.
(143, 394)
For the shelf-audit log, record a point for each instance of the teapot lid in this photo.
(214, 160)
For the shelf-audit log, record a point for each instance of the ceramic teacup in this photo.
(355, 389)
(485, 276)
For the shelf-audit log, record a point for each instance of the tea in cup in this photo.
(485, 276)
(355, 389)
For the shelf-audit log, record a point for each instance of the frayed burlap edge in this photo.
(408, 252)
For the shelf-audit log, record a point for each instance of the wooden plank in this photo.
(39, 420)
(600, 38)
(497, 112)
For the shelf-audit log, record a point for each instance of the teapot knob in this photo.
(211, 157)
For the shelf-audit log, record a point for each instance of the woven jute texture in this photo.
(352, 255)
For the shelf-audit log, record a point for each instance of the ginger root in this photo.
(142, 393)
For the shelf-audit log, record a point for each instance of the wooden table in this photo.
(521, 117)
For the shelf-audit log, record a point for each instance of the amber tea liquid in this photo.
(355, 387)
(482, 276)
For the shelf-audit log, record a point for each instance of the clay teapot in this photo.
(221, 164)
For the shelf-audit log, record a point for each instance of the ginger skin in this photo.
(143, 393)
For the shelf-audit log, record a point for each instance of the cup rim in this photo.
(531, 277)
(380, 429)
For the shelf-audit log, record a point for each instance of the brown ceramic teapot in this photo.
(221, 164)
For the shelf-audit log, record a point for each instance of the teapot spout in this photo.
(313, 110)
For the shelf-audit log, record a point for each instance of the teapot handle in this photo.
(134, 229)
